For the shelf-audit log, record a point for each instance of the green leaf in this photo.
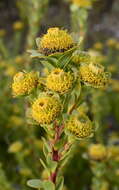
(65, 102)
(43, 164)
(38, 41)
(52, 61)
(60, 143)
(45, 151)
(35, 183)
(48, 185)
(51, 164)
(46, 145)
(60, 183)
(35, 54)
(64, 60)
(64, 161)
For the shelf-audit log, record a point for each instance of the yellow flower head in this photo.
(113, 152)
(15, 147)
(55, 40)
(19, 60)
(97, 152)
(98, 46)
(112, 43)
(112, 68)
(10, 71)
(18, 25)
(2, 32)
(25, 172)
(59, 81)
(16, 120)
(46, 109)
(81, 57)
(82, 3)
(80, 126)
(94, 75)
(114, 84)
(104, 185)
(24, 83)
(117, 172)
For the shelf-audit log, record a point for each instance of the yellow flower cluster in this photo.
(55, 40)
(2, 32)
(94, 75)
(24, 83)
(80, 126)
(81, 57)
(98, 46)
(10, 71)
(96, 68)
(15, 147)
(97, 152)
(113, 152)
(46, 109)
(25, 172)
(112, 68)
(16, 121)
(18, 25)
(114, 84)
(112, 43)
(104, 185)
(82, 3)
(59, 81)
(19, 60)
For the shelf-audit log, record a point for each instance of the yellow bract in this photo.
(59, 81)
(94, 75)
(46, 109)
(97, 152)
(24, 83)
(55, 40)
(80, 126)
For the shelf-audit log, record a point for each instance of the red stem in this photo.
(55, 153)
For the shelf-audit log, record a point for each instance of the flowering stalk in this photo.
(79, 14)
(55, 98)
(102, 161)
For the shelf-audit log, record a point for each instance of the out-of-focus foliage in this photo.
(20, 144)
